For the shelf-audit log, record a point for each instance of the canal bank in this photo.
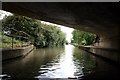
(105, 53)
(12, 53)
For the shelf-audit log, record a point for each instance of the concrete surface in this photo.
(16, 52)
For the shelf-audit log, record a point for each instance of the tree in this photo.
(82, 38)
(40, 34)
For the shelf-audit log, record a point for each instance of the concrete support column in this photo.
(110, 42)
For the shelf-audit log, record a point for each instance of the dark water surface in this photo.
(61, 63)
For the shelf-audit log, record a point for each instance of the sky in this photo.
(3, 13)
(66, 30)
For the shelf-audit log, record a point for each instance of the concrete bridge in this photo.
(102, 19)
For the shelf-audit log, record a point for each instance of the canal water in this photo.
(60, 63)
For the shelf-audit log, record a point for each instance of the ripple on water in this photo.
(5, 77)
(62, 68)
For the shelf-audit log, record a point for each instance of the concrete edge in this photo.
(109, 55)
(8, 54)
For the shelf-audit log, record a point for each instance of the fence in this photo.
(6, 31)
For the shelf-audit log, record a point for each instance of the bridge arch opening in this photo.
(98, 18)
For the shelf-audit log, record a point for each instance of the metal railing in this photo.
(7, 32)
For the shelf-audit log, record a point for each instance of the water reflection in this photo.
(48, 63)
(63, 68)
(87, 62)
(28, 67)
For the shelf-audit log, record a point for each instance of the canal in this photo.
(63, 62)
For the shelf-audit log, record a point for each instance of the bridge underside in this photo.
(102, 19)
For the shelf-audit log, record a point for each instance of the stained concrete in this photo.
(15, 52)
(109, 54)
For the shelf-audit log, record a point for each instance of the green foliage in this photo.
(82, 38)
(18, 24)
(40, 34)
(50, 36)
(7, 41)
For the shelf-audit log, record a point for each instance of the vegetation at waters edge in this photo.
(82, 38)
(31, 30)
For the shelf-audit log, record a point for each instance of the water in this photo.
(59, 63)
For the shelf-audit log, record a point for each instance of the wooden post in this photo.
(12, 42)
(21, 42)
